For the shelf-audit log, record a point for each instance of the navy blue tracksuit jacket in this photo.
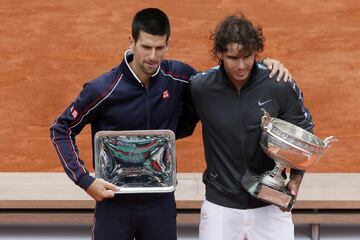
(117, 100)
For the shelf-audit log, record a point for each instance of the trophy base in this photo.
(277, 196)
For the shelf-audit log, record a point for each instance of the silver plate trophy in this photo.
(289, 146)
(137, 161)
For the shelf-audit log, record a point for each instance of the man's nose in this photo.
(241, 63)
(153, 53)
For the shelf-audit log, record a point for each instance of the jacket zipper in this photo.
(147, 108)
(242, 134)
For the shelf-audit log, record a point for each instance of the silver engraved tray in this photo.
(137, 161)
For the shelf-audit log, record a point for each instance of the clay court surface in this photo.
(49, 49)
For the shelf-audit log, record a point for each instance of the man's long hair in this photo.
(237, 29)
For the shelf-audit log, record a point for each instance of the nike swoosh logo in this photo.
(263, 103)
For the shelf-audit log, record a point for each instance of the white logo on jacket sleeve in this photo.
(264, 102)
(166, 94)
(73, 111)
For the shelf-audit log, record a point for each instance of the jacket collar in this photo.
(128, 57)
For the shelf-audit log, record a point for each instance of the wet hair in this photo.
(152, 21)
(237, 29)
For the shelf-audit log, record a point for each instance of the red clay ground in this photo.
(49, 49)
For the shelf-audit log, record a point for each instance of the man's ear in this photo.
(131, 42)
(167, 45)
(219, 55)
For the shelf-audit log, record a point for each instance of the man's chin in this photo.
(242, 77)
(151, 71)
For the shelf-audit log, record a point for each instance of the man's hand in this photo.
(101, 189)
(276, 66)
(293, 185)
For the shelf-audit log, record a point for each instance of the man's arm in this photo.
(63, 132)
(294, 111)
(188, 118)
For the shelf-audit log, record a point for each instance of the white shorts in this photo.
(222, 223)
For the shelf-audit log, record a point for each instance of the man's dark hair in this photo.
(152, 21)
(237, 29)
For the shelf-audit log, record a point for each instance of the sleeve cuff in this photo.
(86, 181)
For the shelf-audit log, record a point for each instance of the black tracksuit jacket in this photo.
(231, 127)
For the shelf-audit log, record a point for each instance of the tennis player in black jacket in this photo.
(228, 100)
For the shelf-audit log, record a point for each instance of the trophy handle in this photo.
(327, 141)
(265, 120)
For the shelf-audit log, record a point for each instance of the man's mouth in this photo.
(151, 64)
(240, 73)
